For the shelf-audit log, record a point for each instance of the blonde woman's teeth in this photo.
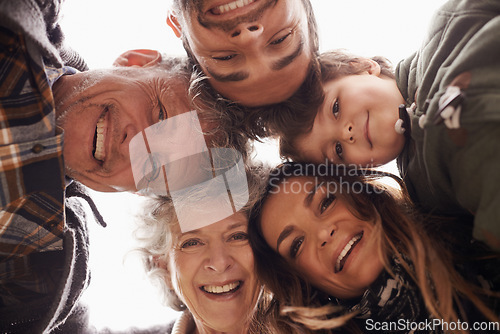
(345, 251)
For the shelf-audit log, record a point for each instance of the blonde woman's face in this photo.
(212, 270)
(320, 237)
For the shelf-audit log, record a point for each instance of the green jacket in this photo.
(456, 171)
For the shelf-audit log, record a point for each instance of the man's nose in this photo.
(246, 33)
(125, 136)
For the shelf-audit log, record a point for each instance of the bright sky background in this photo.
(120, 296)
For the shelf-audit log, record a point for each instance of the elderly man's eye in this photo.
(162, 115)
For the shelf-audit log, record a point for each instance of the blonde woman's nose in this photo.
(325, 236)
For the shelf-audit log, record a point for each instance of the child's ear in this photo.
(374, 67)
(366, 64)
(140, 58)
(173, 23)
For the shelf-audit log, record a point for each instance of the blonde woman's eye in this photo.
(326, 202)
(295, 246)
(336, 109)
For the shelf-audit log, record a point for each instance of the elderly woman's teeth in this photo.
(221, 288)
(231, 6)
(99, 143)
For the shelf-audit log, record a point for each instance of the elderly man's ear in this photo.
(139, 58)
(174, 24)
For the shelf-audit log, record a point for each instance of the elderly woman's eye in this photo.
(191, 243)
(240, 236)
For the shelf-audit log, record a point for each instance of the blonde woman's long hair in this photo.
(417, 242)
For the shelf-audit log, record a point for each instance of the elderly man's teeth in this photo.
(231, 6)
(346, 251)
(99, 143)
(221, 288)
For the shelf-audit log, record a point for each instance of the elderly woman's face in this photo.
(212, 270)
(320, 237)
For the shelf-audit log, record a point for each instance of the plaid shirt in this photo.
(31, 169)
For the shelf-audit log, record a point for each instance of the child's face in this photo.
(355, 124)
(319, 236)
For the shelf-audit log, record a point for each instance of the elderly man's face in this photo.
(100, 111)
(255, 52)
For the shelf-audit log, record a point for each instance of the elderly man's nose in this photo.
(247, 32)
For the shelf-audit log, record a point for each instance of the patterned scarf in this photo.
(392, 300)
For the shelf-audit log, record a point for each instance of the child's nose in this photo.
(348, 133)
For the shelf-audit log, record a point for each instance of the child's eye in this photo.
(295, 246)
(325, 203)
(336, 109)
(339, 150)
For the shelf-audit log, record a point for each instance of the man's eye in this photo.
(281, 39)
(336, 109)
(162, 115)
(339, 150)
(225, 58)
(325, 203)
(295, 246)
